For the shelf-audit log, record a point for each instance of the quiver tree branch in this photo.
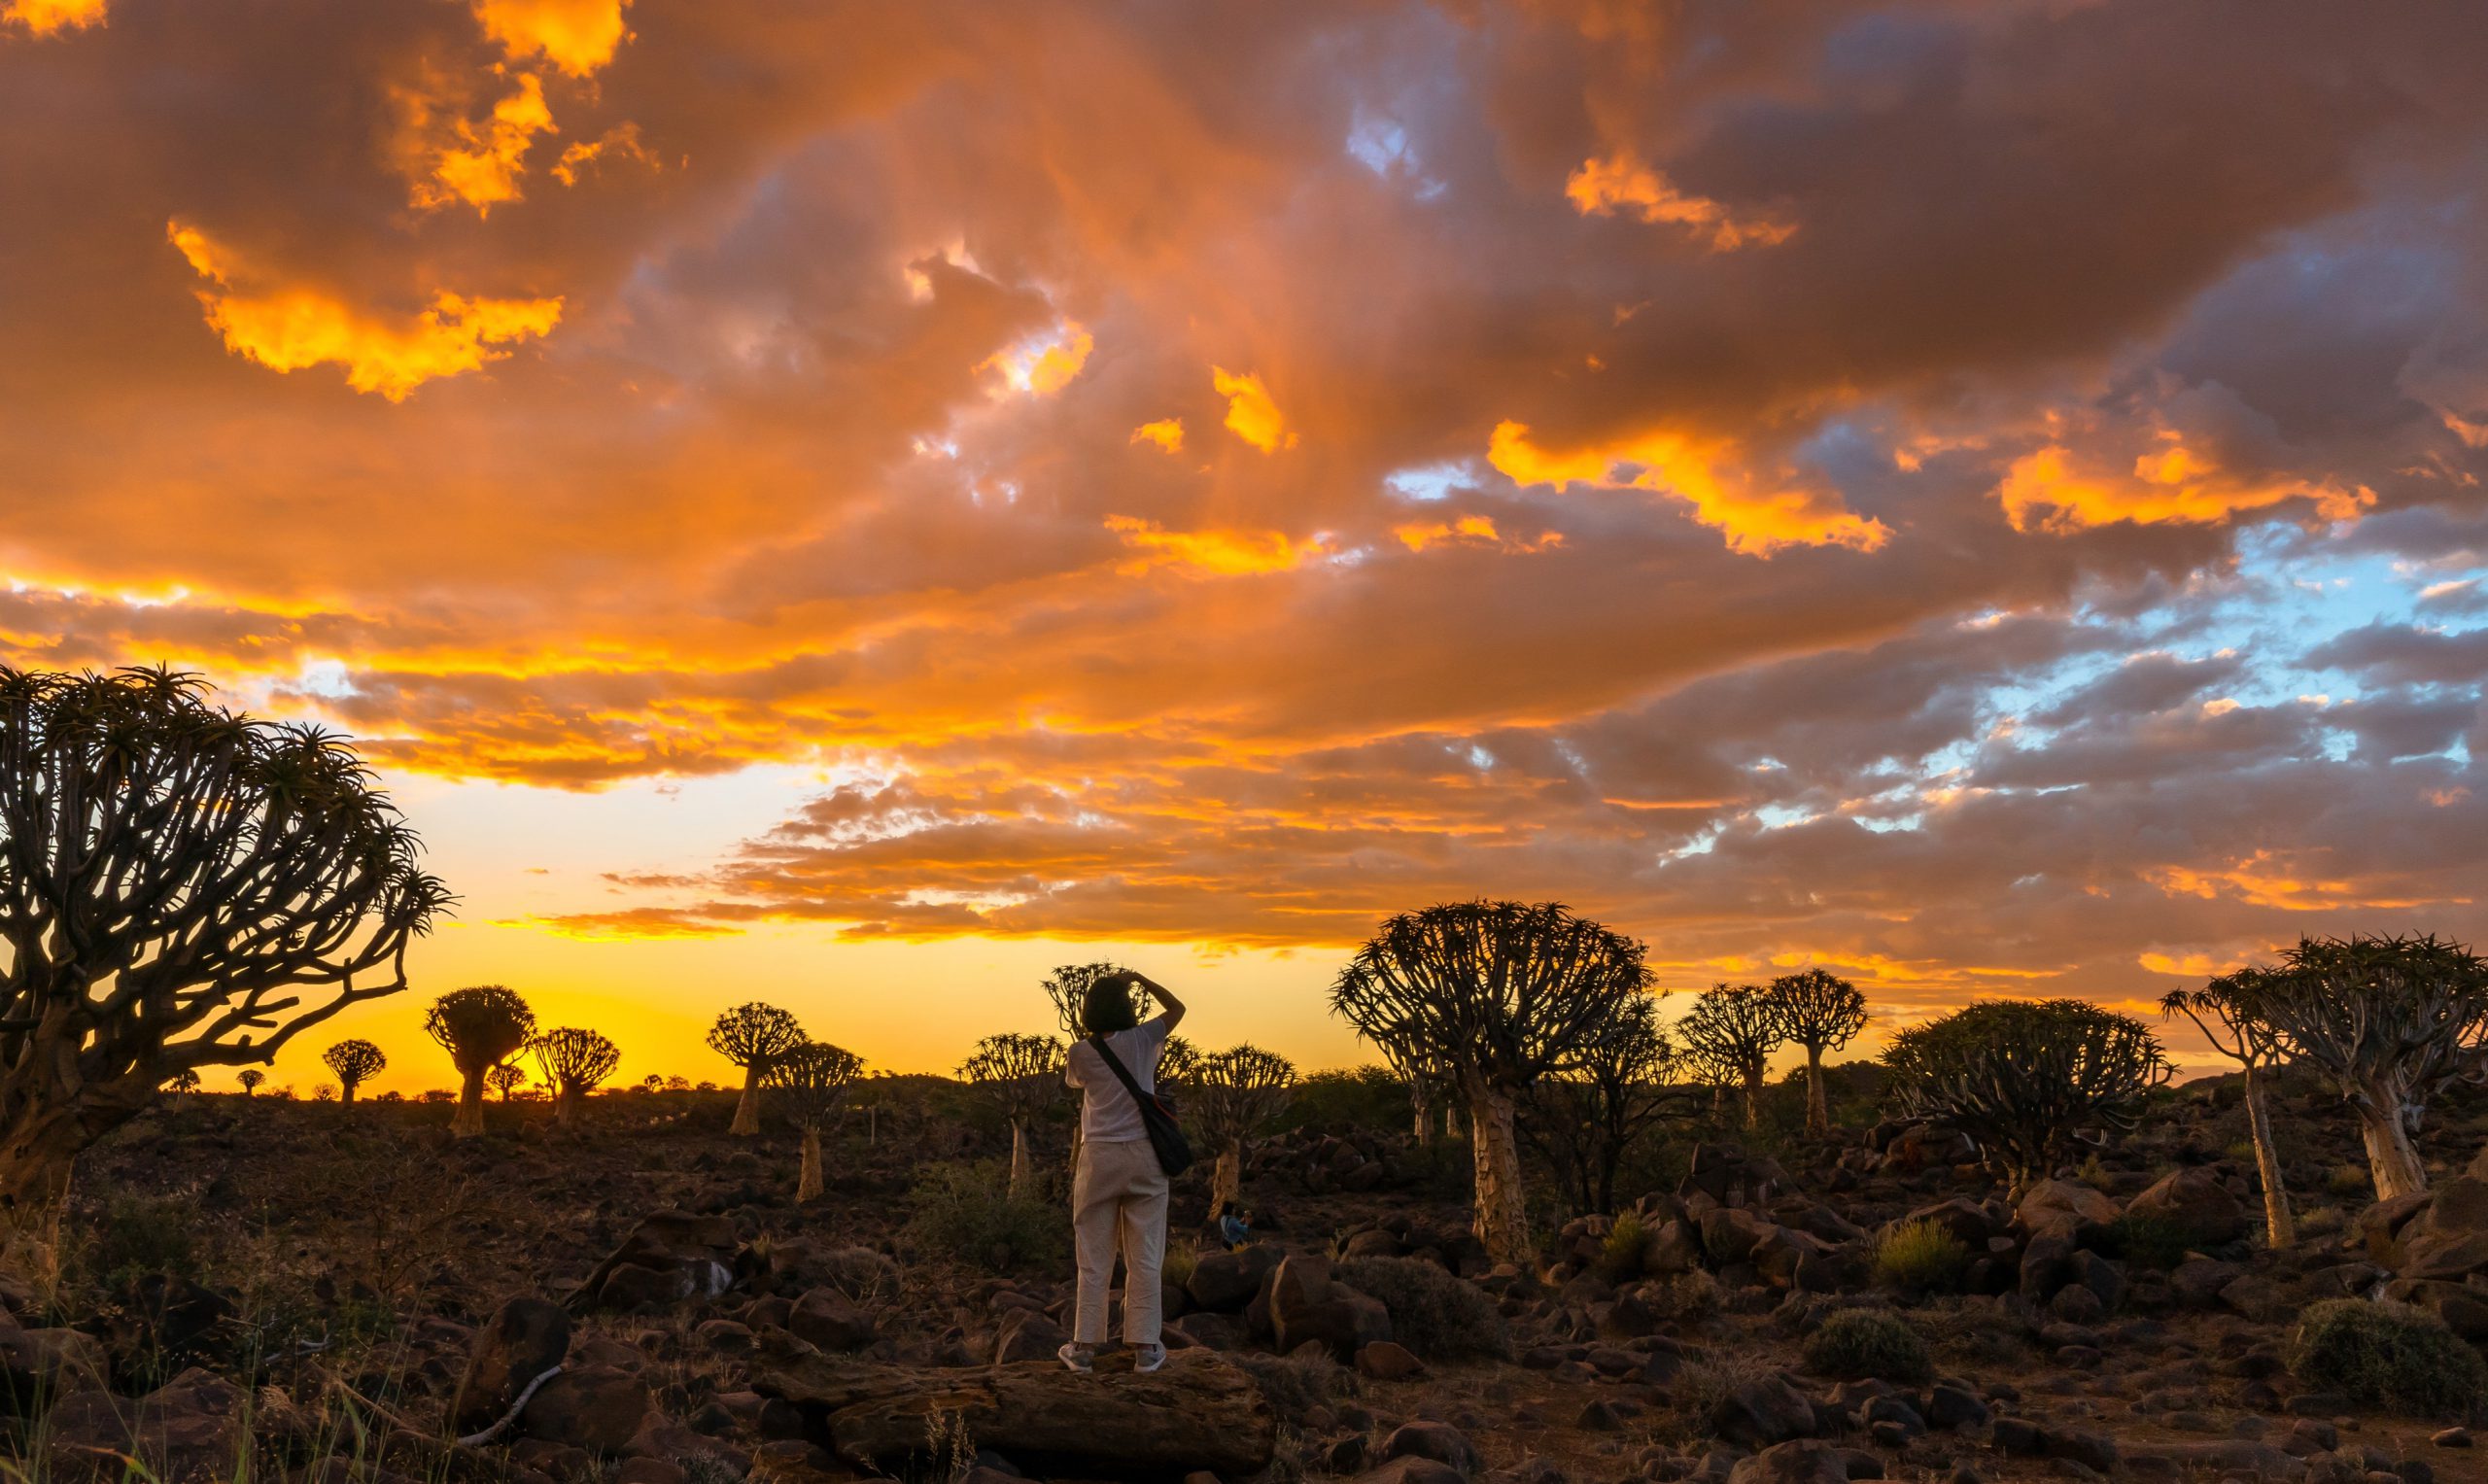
(1735, 1027)
(1233, 1092)
(355, 1063)
(2033, 1081)
(1823, 1013)
(480, 1027)
(751, 1036)
(573, 1061)
(180, 887)
(810, 1082)
(1021, 1077)
(1584, 1121)
(1499, 994)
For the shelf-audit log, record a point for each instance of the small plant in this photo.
(2323, 1221)
(1702, 1386)
(1856, 1344)
(2092, 1172)
(964, 1213)
(2347, 1180)
(2150, 1239)
(2389, 1356)
(1297, 1384)
(1692, 1296)
(1619, 1256)
(1434, 1314)
(1922, 1256)
(861, 1274)
(1181, 1259)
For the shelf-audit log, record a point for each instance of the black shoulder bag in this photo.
(1165, 1136)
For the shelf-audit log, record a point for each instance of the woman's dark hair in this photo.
(1107, 1006)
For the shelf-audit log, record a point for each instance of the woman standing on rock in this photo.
(1120, 1189)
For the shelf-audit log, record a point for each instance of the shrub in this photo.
(860, 1273)
(1855, 1344)
(1181, 1259)
(1690, 1296)
(2151, 1239)
(1922, 1256)
(1436, 1315)
(1297, 1384)
(1619, 1256)
(2027, 1079)
(963, 1212)
(1702, 1385)
(2389, 1356)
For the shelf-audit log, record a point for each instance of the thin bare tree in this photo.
(2219, 1010)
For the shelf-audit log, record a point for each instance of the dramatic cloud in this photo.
(1985, 498)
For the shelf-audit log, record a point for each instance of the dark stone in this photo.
(526, 1337)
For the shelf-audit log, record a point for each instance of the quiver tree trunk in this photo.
(1502, 1214)
(345, 1093)
(808, 1185)
(1019, 1161)
(1753, 1097)
(1424, 1110)
(2392, 1158)
(565, 1108)
(467, 1121)
(2280, 1228)
(1226, 1180)
(746, 1123)
(40, 1143)
(1817, 1095)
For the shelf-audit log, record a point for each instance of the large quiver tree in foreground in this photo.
(751, 1036)
(1021, 1077)
(355, 1063)
(2220, 1010)
(1497, 994)
(2031, 1081)
(2391, 1022)
(481, 1027)
(810, 1082)
(1233, 1092)
(180, 887)
(573, 1061)
(1823, 1013)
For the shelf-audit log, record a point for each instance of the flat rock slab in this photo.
(1200, 1411)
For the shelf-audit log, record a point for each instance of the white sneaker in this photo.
(1148, 1358)
(1080, 1357)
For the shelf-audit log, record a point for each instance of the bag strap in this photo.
(1122, 1073)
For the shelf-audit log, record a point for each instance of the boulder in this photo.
(1198, 1411)
(1672, 1247)
(159, 1321)
(830, 1320)
(1309, 1306)
(2066, 1205)
(1803, 1461)
(2447, 1238)
(668, 1258)
(1413, 1471)
(37, 1364)
(597, 1408)
(189, 1430)
(1388, 1360)
(2196, 1203)
(1966, 1220)
(525, 1338)
(1438, 1441)
(1026, 1334)
(1763, 1411)
(1224, 1282)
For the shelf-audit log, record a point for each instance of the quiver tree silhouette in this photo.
(810, 1082)
(1019, 1077)
(751, 1036)
(2029, 1080)
(250, 1078)
(1405, 1058)
(1067, 990)
(505, 1079)
(355, 1063)
(181, 887)
(2220, 1011)
(1233, 1092)
(2391, 1022)
(182, 1082)
(1584, 1121)
(573, 1061)
(1822, 1013)
(1497, 994)
(1735, 1028)
(480, 1027)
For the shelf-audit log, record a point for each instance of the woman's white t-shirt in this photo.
(1106, 1112)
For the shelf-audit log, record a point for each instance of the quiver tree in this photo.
(2033, 1081)
(481, 1027)
(1019, 1077)
(250, 1078)
(180, 889)
(1735, 1028)
(1499, 994)
(1402, 1053)
(505, 1079)
(1233, 1092)
(573, 1061)
(810, 1082)
(1584, 1121)
(1067, 990)
(2391, 1022)
(751, 1036)
(1822, 1013)
(355, 1063)
(182, 1082)
(2219, 1010)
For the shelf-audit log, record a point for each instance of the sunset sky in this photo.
(854, 504)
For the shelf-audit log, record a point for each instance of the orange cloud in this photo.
(1756, 520)
(1168, 432)
(1601, 186)
(2266, 878)
(1251, 414)
(455, 159)
(2061, 489)
(1045, 365)
(287, 329)
(1471, 531)
(43, 18)
(620, 142)
(577, 36)
(1214, 553)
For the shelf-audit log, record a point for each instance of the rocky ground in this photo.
(265, 1288)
